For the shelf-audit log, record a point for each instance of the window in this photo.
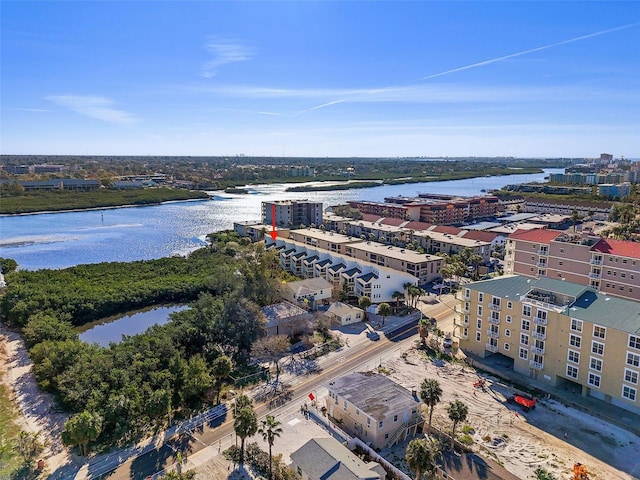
(523, 353)
(524, 339)
(480, 297)
(478, 323)
(509, 305)
(575, 340)
(599, 332)
(576, 325)
(593, 380)
(508, 319)
(633, 359)
(345, 404)
(525, 324)
(479, 309)
(507, 332)
(380, 424)
(634, 342)
(395, 418)
(597, 348)
(368, 422)
(542, 314)
(386, 436)
(507, 346)
(629, 393)
(495, 316)
(477, 336)
(526, 310)
(630, 376)
(595, 364)
(572, 371)
(573, 356)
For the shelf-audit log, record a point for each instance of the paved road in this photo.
(216, 426)
(367, 354)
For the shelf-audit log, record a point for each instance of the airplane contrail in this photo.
(526, 52)
(481, 64)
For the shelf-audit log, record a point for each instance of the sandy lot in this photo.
(38, 409)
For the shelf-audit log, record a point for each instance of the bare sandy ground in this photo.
(520, 441)
(38, 411)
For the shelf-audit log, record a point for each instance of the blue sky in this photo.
(325, 78)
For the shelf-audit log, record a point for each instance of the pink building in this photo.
(610, 266)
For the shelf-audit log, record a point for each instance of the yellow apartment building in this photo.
(558, 333)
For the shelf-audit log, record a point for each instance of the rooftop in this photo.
(589, 305)
(618, 247)
(538, 235)
(374, 394)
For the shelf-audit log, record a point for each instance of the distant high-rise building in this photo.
(292, 213)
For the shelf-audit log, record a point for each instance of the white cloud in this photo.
(96, 107)
(224, 51)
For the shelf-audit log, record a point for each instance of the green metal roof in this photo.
(591, 306)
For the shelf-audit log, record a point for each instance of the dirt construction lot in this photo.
(521, 441)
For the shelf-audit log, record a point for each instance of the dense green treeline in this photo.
(41, 201)
(148, 379)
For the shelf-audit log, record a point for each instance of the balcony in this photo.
(543, 251)
(593, 261)
(539, 321)
(536, 365)
(491, 348)
(463, 310)
(493, 321)
(493, 334)
(541, 264)
(539, 335)
(462, 336)
(537, 350)
(597, 276)
(461, 322)
(494, 306)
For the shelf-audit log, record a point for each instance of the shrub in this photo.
(466, 439)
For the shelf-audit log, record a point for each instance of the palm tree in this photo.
(397, 296)
(458, 412)
(430, 394)
(220, 369)
(269, 430)
(421, 457)
(384, 309)
(423, 328)
(245, 425)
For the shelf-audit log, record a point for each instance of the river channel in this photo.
(59, 240)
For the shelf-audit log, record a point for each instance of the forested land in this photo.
(56, 200)
(145, 380)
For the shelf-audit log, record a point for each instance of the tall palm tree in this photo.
(384, 309)
(245, 425)
(430, 394)
(270, 430)
(421, 457)
(397, 296)
(458, 412)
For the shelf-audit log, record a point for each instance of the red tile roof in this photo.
(395, 222)
(538, 235)
(417, 225)
(480, 235)
(618, 247)
(447, 229)
(370, 217)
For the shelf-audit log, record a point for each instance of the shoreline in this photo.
(110, 207)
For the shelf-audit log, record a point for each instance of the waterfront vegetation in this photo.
(60, 200)
(169, 371)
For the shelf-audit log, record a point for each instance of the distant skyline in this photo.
(321, 78)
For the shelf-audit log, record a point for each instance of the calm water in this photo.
(105, 331)
(59, 240)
